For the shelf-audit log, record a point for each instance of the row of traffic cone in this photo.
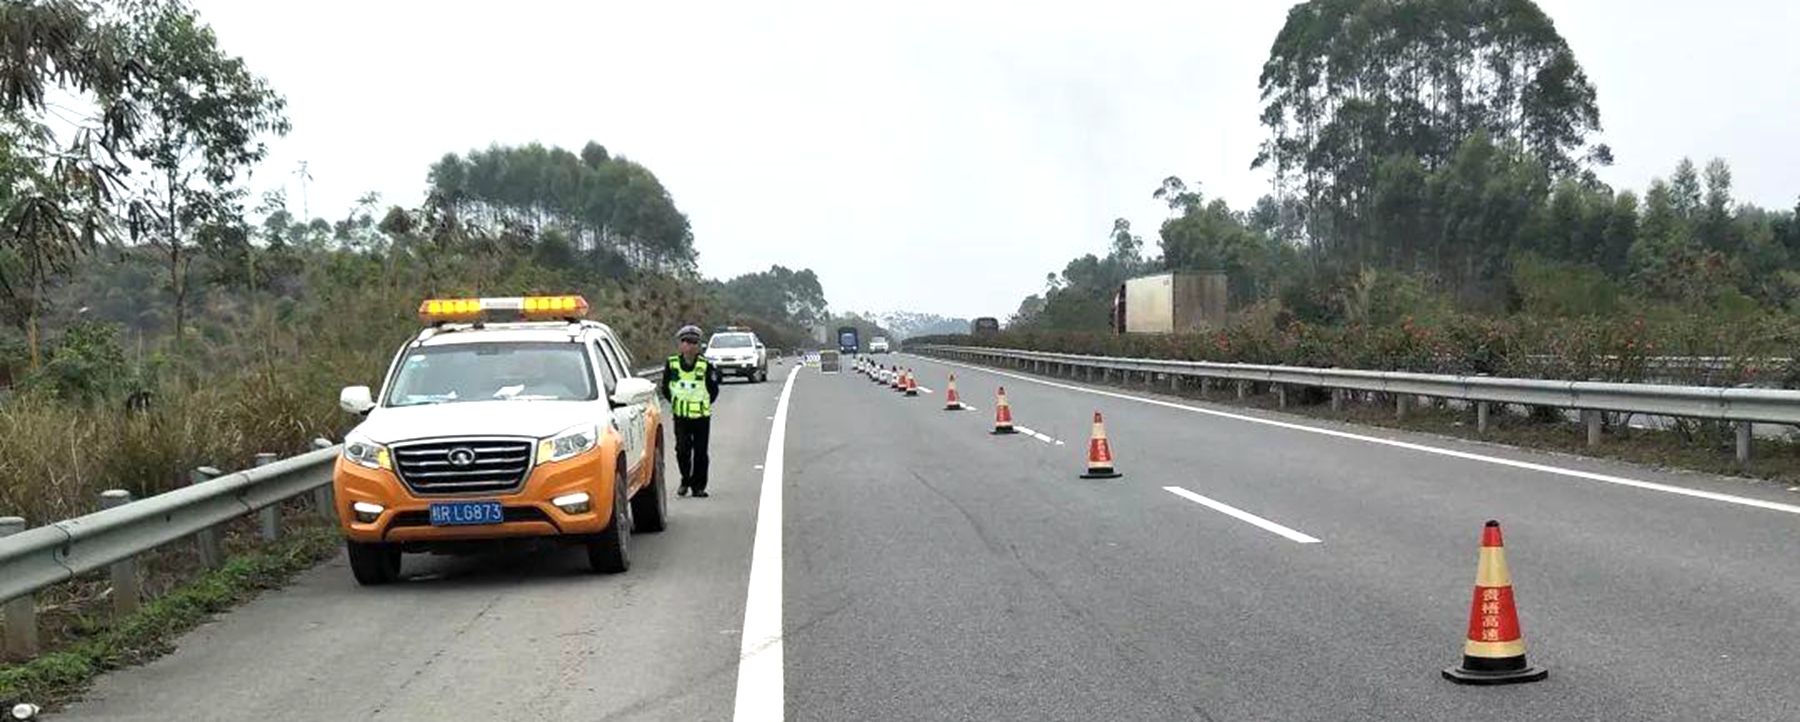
(1494, 651)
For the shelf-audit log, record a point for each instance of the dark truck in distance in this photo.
(849, 343)
(984, 326)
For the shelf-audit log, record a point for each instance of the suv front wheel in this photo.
(609, 552)
(374, 564)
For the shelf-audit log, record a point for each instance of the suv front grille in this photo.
(464, 466)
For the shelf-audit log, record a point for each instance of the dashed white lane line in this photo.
(1038, 436)
(1465, 455)
(924, 390)
(761, 691)
(1241, 515)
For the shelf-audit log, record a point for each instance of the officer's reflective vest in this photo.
(687, 389)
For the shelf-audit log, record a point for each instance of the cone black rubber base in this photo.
(1106, 473)
(1005, 431)
(1461, 675)
(912, 393)
(956, 407)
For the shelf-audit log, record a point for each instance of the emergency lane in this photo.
(936, 571)
(499, 636)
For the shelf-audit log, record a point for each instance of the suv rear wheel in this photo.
(609, 552)
(650, 508)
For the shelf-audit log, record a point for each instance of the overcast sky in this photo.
(925, 156)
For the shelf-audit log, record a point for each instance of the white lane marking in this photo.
(967, 407)
(761, 695)
(1241, 515)
(1465, 455)
(924, 390)
(1036, 435)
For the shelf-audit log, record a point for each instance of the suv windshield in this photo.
(730, 340)
(551, 371)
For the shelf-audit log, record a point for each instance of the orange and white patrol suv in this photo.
(505, 418)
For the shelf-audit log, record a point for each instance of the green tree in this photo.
(1350, 83)
(205, 117)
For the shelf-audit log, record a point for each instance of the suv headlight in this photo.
(359, 450)
(569, 442)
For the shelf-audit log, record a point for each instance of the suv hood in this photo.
(538, 419)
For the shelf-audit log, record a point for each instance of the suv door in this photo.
(629, 419)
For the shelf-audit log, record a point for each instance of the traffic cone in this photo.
(1003, 414)
(899, 381)
(1495, 650)
(912, 384)
(952, 402)
(1100, 462)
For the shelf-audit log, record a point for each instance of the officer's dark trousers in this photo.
(690, 450)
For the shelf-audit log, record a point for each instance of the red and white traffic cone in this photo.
(1495, 650)
(912, 384)
(1100, 461)
(1003, 414)
(952, 402)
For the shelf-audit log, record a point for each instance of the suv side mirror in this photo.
(633, 390)
(356, 400)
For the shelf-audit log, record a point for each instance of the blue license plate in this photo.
(463, 513)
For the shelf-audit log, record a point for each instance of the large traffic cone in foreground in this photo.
(952, 402)
(912, 384)
(1100, 461)
(1002, 414)
(1495, 650)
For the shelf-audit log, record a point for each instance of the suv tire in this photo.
(609, 552)
(374, 564)
(650, 508)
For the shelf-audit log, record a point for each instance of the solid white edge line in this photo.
(1465, 455)
(761, 692)
(1241, 515)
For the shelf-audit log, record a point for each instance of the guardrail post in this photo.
(1337, 399)
(270, 516)
(1481, 417)
(1400, 406)
(1281, 396)
(1593, 426)
(323, 500)
(209, 542)
(1242, 390)
(124, 572)
(1744, 430)
(21, 614)
(1175, 383)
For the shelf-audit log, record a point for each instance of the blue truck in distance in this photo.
(848, 342)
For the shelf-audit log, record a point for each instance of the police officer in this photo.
(691, 385)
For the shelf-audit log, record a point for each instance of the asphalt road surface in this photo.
(911, 566)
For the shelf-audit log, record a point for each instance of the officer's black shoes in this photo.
(701, 494)
(682, 491)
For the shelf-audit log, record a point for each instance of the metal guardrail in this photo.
(54, 553)
(1743, 407)
(1701, 402)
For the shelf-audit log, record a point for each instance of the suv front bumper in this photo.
(406, 517)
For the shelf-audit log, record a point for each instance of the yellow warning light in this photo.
(553, 307)
(440, 310)
(450, 309)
